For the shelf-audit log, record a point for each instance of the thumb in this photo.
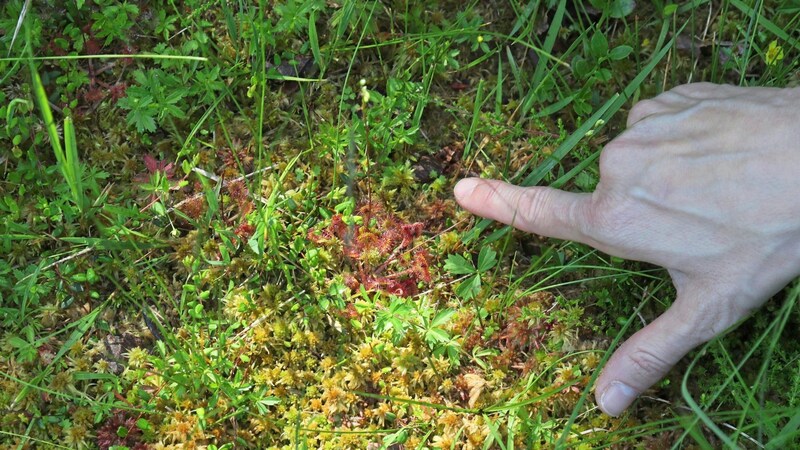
(647, 356)
(540, 210)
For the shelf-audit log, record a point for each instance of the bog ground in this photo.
(231, 225)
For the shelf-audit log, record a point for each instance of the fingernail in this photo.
(616, 398)
(464, 188)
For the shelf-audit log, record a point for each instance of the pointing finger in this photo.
(540, 210)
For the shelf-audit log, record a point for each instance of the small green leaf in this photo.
(442, 318)
(469, 288)
(598, 46)
(621, 8)
(458, 265)
(620, 52)
(436, 335)
(269, 401)
(581, 67)
(313, 38)
(603, 75)
(143, 121)
(143, 425)
(486, 259)
(18, 342)
(670, 10)
(159, 209)
(399, 437)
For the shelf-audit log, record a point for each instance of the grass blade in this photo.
(72, 164)
(20, 21)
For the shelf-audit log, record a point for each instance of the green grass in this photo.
(214, 234)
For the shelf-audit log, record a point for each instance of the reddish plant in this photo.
(94, 95)
(244, 231)
(381, 250)
(236, 159)
(193, 206)
(237, 189)
(155, 165)
(117, 91)
(120, 430)
(521, 334)
(92, 46)
(127, 50)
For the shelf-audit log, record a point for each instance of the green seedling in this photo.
(459, 265)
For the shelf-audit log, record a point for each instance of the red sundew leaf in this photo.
(409, 232)
(337, 227)
(393, 287)
(108, 435)
(94, 95)
(245, 230)
(315, 237)
(421, 266)
(350, 281)
(401, 288)
(369, 282)
(408, 287)
(352, 251)
(398, 270)
(389, 241)
(366, 239)
(117, 91)
(350, 311)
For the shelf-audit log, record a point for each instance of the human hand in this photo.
(704, 182)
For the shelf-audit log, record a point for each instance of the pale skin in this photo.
(705, 182)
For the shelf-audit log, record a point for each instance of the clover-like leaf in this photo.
(469, 288)
(487, 259)
(458, 265)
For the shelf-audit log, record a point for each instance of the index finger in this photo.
(540, 210)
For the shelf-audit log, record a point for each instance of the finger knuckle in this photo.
(709, 318)
(705, 108)
(646, 363)
(706, 90)
(605, 218)
(690, 89)
(612, 158)
(643, 109)
(595, 223)
(536, 205)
